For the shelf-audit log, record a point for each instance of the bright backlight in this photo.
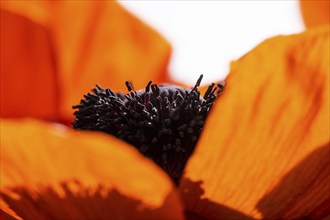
(207, 35)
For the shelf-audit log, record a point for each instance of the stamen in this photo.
(163, 122)
(129, 86)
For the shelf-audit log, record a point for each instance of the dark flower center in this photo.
(163, 122)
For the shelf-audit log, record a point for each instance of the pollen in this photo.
(163, 122)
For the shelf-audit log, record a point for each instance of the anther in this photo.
(163, 122)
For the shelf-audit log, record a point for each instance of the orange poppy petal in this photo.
(99, 42)
(264, 151)
(49, 172)
(52, 52)
(6, 212)
(28, 84)
(315, 12)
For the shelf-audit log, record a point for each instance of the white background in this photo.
(207, 35)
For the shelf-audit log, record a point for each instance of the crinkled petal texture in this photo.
(48, 172)
(264, 151)
(52, 52)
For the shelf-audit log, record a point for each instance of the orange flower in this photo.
(263, 153)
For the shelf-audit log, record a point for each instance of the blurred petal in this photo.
(264, 151)
(52, 52)
(49, 172)
(315, 12)
(6, 212)
(99, 42)
(28, 83)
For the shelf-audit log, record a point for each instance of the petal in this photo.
(264, 151)
(60, 49)
(50, 172)
(101, 43)
(7, 212)
(315, 12)
(27, 85)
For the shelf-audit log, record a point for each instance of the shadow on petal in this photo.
(206, 209)
(304, 191)
(74, 201)
(26, 54)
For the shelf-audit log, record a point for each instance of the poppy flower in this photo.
(263, 152)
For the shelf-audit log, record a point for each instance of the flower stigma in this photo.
(163, 122)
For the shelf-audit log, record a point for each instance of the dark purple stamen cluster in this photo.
(163, 122)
